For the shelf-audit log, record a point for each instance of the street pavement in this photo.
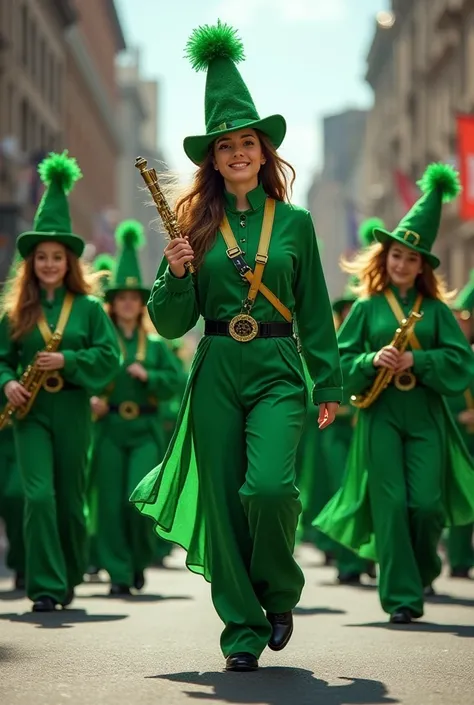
(162, 648)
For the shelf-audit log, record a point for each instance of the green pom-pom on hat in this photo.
(59, 173)
(228, 105)
(127, 276)
(209, 42)
(103, 262)
(418, 229)
(366, 231)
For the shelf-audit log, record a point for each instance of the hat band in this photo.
(232, 124)
(412, 237)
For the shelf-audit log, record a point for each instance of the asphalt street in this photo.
(162, 647)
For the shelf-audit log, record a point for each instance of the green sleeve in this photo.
(449, 367)
(173, 305)
(8, 354)
(357, 364)
(314, 320)
(95, 366)
(163, 380)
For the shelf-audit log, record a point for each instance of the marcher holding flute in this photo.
(50, 294)
(408, 472)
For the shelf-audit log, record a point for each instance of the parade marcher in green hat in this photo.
(104, 264)
(129, 435)
(408, 472)
(50, 294)
(226, 488)
(460, 538)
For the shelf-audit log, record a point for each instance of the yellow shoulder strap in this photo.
(399, 315)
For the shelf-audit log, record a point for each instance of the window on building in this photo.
(24, 112)
(24, 35)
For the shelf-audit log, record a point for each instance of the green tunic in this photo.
(124, 451)
(52, 441)
(225, 490)
(408, 471)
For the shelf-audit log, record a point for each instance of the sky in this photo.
(304, 59)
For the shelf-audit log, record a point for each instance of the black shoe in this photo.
(282, 629)
(461, 573)
(69, 598)
(241, 662)
(20, 582)
(139, 580)
(401, 616)
(117, 590)
(429, 591)
(328, 559)
(348, 579)
(371, 571)
(44, 604)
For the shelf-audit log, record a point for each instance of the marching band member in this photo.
(226, 489)
(408, 472)
(50, 294)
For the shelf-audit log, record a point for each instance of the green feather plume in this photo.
(211, 42)
(61, 170)
(130, 233)
(103, 262)
(366, 230)
(442, 177)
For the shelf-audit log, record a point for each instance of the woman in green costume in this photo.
(129, 439)
(50, 293)
(408, 472)
(226, 488)
(460, 538)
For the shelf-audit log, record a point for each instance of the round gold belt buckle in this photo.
(405, 381)
(243, 328)
(129, 410)
(53, 383)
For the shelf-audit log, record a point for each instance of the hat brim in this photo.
(27, 242)
(383, 236)
(111, 293)
(274, 127)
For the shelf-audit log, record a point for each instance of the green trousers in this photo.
(52, 445)
(247, 418)
(406, 451)
(12, 503)
(460, 547)
(125, 543)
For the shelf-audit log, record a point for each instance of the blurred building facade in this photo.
(335, 192)
(421, 69)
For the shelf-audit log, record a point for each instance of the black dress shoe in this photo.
(282, 629)
(20, 581)
(241, 662)
(44, 604)
(460, 573)
(117, 590)
(371, 570)
(328, 559)
(429, 591)
(139, 580)
(69, 598)
(401, 616)
(348, 579)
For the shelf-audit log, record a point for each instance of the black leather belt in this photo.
(274, 329)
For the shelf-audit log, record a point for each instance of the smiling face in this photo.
(50, 264)
(403, 265)
(127, 306)
(239, 157)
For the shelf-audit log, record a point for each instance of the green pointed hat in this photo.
(348, 296)
(465, 299)
(228, 103)
(419, 227)
(366, 231)
(53, 221)
(130, 237)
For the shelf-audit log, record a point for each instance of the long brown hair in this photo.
(201, 209)
(370, 268)
(21, 297)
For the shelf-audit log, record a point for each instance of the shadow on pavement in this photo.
(9, 595)
(281, 686)
(308, 611)
(141, 597)
(354, 586)
(462, 630)
(60, 619)
(450, 600)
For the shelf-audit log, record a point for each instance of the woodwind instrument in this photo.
(385, 375)
(167, 216)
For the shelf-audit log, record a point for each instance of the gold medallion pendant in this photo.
(243, 328)
(129, 410)
(405, 381)
(53, 383)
